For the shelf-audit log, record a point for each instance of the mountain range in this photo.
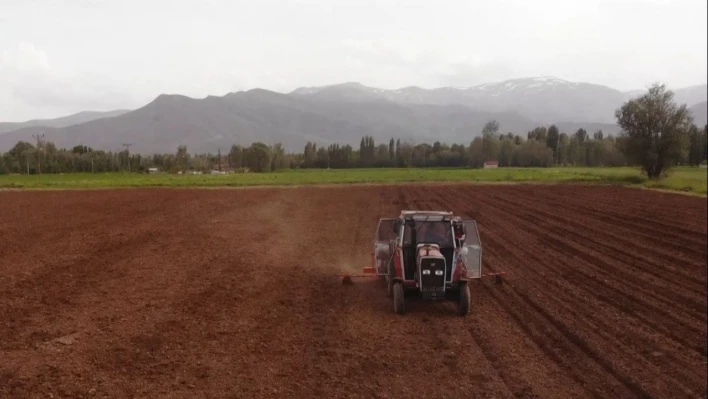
(344, 113)
(700, 114)
(75, 119)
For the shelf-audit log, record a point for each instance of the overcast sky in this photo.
(60, 57)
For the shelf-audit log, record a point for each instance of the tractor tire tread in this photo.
(399, 301)
(463, 308)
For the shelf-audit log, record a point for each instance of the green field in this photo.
(691, 180)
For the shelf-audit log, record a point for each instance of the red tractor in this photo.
(431, 253)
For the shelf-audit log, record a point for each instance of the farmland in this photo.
(685, 179)
(157, 293)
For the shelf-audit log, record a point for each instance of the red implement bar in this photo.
(368, 272)
(493, 274)
(345, 275)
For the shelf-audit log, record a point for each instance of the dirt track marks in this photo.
(221, 293)
(530, 237)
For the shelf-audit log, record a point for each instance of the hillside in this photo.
(343, 113)
(700, 114)
(692, 95)
(543, 99)
(259, 115)
(69, 120)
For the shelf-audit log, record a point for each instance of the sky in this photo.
(61, 57)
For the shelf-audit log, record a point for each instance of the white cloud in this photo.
(25, 57)
(65, 56)
(31, 82)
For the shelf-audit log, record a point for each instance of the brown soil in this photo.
(232, 293)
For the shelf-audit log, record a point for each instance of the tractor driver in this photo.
(433, 232)
(459, 229)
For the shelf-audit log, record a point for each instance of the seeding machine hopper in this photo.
(432, 253)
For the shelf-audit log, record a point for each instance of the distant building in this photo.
(153, 170)
(491, 164)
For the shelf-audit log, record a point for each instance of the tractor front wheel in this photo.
(399, 302)
(463, 307)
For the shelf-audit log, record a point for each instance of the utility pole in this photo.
(127, 147)
(39, 138)
(219, 159)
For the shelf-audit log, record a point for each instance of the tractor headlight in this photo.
(438, 272)
(426, 271)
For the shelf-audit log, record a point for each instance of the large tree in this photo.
(652, 129)
(490, 143)
(258, 157)
(490, 128)
(552, 141)
(236, 156)
(392, 151)
(182, 157)
(695, 149)
(538, 134)
(582, 135)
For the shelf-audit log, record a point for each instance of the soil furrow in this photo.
(547, 300)
(652, 308)
(664, 244)
(187, 293)
(554, 226)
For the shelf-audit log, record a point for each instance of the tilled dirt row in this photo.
(233, 293)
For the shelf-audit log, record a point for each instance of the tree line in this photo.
(649, 139)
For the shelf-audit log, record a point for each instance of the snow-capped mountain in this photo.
(345, 112)
(342, 91)
(546, 99)
(691, 95)
(537, 83)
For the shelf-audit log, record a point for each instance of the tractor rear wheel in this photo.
(399, 302)
(389, 281)
(463, 307)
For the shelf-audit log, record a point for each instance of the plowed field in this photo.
(232, 293)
